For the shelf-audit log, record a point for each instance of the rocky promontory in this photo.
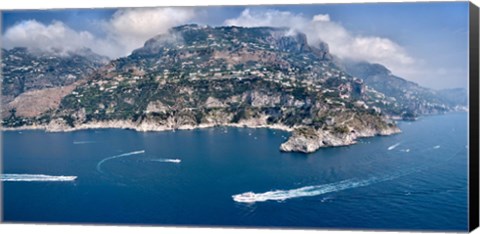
(308, 140)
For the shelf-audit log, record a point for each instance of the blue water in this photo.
(125, 177)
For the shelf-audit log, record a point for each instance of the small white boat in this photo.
(248, 197)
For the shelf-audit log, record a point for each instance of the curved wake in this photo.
(36, 178)
(99, 164)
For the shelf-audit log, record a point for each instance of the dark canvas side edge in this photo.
(473, 181)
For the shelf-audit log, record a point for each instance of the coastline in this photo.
(309, 143)
(297, 142)
(143, 128)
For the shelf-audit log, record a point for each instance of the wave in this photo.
(83, 142)
(405, 150)
(437, 147)
(310, 191)
(99, 164)
(35, 177)
(167, 160)
(393, 146)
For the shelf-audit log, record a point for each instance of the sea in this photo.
(237, 177)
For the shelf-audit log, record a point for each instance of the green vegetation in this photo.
(200, 75)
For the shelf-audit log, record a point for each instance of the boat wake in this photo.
(83, 142)
(310, 191)
(166, 160)
(36, 178)
(99, 164)
(392, 147)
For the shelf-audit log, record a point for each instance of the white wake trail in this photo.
(310, 191)
(392, 147)
(167, 160)
(99, 164)
(36, 178)
(83, 142)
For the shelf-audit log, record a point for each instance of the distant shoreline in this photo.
(294, 143)
(116, 124)
(153, 129)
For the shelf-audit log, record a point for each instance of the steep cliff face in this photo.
(199, 76)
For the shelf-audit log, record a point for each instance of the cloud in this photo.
(130, 28)
(250, 18)
(33, 34)
(342, 43)
(321, 18)
(126, 30)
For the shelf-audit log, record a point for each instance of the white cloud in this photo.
(321, 17)
(250, 18)
(342, 43)
(33, 34)
(127, 30)
(130, 28)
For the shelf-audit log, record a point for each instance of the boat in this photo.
(248, 197)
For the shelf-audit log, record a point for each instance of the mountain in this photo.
(33, 80)
(200, 76)
(408, 99)
(455, 96)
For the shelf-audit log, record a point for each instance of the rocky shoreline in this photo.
(309, 142)
(304, 139)
(139, 128)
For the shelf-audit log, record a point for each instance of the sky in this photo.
(423, 42)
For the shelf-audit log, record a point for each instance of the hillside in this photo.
(200, 76)
(409, 100)
(34, 81)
